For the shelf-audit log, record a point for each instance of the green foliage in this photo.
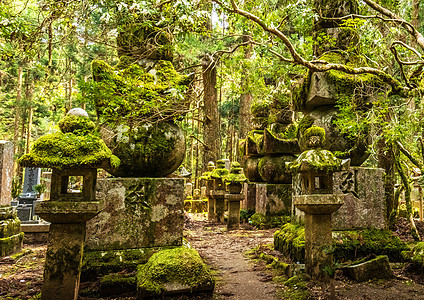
(297, 287)
(132, 94)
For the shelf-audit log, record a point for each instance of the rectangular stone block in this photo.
(249, 201)
(11, 244)
(272, 199)
(6, 172)
(138, 212)
(364, 205)
(32, 177)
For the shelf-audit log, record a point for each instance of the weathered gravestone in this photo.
(11, 237)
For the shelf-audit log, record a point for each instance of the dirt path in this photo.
(238, 279)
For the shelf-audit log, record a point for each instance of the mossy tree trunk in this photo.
(245, 118)
(211, 127)
(385, 161)
(18, 113)
(407, 186)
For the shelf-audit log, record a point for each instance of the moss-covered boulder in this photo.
(416, 257)
(290, 241)
(172, 271)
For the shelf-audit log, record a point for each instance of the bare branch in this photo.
(406, 25)
(315, 66)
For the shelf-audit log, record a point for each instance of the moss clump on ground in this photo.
(290, 241)
(416, 256)
(177, 267)
(350, 245)
(347, 245)
(118, 284)
(262, 221)
(297, 287)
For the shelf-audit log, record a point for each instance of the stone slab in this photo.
(138, 212)
(36, 233)
(378, 267)
(272, 199)
(6, 172)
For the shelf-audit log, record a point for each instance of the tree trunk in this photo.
(210, 114)
(385, 161)
(17, 115)
(245, 118)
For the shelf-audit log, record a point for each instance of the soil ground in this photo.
(238, 277)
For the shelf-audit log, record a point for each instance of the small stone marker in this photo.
(378, 267)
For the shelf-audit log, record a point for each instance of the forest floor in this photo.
(238, 276)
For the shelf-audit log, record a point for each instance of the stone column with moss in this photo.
(234, 184)
(218, 193)
(207, 181)
(76, 150)
(317, 200)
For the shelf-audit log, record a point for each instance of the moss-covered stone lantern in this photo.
(218, 191)
(234, 182)
(207, 181)
(316, 199)
(75, 151)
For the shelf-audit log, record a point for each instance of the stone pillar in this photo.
(249, 201)
(63, 258)
(318, 239)
(6, 172)
(233, 222)
(219, 199)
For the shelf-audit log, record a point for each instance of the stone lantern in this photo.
(218, 191)
(234, 182)
(316, 199)
(76, 151)
(207, 181)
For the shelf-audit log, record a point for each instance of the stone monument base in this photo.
(138, 213)
(273, 199)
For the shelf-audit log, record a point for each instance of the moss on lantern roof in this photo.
(220, 171)
(77, 146)
(315, 160)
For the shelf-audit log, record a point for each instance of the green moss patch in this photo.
(262, 221)
(65, 150)
(290, 241)
(173, 269)
(416, 256)
(133, 94)
(76, 124)
(317, 160)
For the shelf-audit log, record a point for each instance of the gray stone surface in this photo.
(273, 199)
(249, 201)
(378, 267)
(364, 205)
(32, 177)
(138, 212)
(6, 172)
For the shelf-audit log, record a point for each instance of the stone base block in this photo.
(273, 199)
(35, 233)
(378, 267)
(11, 244)
(138, 213)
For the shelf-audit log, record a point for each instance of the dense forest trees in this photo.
(239, 52)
